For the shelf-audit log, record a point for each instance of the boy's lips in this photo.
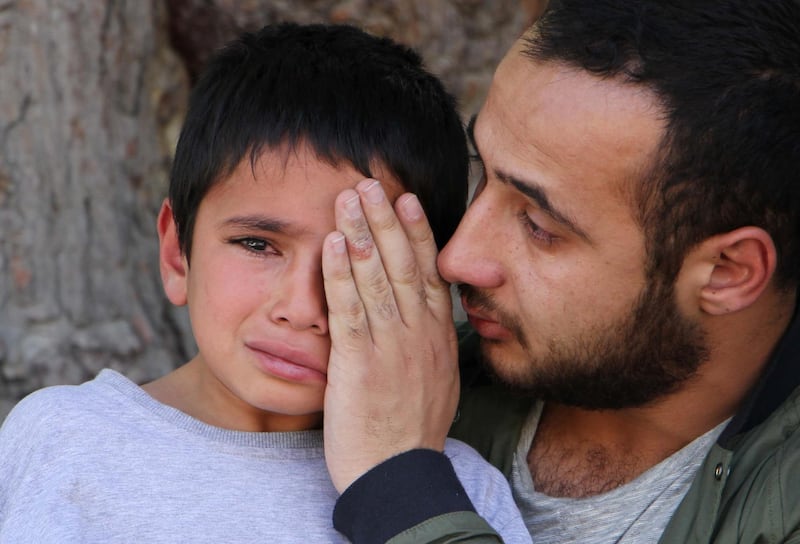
(287, 362)
(484, 325)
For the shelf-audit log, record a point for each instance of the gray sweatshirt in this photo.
(104, 462)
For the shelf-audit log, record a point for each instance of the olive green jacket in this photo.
(746, 491)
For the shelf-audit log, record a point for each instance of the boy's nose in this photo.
(301, 302)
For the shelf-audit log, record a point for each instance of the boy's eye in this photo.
(255, 245)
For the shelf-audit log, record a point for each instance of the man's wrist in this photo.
(398, 494)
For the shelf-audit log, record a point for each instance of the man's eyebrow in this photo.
(529, 189)
(256, 222)
(537, 194)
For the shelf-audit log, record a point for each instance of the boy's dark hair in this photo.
(727, 74)
(352, 97)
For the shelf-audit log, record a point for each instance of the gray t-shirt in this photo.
(635, 513)
(104, 462)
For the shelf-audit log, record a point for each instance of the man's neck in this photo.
(580, 453)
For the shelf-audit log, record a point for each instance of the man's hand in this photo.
(393, 372)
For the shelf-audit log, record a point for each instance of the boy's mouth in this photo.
(287, 362)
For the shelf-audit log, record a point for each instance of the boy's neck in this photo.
(194, 391)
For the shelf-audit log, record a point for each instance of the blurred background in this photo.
(92, 97)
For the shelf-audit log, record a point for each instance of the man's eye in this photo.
(535, 231)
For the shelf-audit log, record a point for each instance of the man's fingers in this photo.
(423, 245)
(395, 388)
(366, 266)
(398, 257)
(347, 321)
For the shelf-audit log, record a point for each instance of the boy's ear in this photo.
(738, 266)
(172, 263)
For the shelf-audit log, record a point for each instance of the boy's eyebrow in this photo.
(530, 189)
(256, 222)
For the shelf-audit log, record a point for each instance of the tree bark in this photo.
(92, 99)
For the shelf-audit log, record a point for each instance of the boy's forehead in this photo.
(301, 167)
(277, 160)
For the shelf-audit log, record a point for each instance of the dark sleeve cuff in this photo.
(398, 494)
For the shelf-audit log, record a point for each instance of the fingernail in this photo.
(412, 208)
(374, 192)
(338, 245)
(353, 207)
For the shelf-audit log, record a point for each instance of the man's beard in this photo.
(646, 354)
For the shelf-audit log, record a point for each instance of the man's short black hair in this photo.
(727, 75)
(352, 97)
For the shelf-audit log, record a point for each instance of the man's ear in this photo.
(172, 262)
(740, 265)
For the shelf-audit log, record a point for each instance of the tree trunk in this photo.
(92, 99)
(92, 95)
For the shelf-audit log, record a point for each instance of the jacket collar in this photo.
(781, 376)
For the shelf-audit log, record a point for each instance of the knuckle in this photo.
(385, 310)
(386, 222)
(356, 333)
(353, 313)
(382, 295)
(378, 285)
(423, 236)
(350, 314)
(411, 277)
(422, 295)
(408, 273)
(335, 276)
(360, 246)
(434, 281)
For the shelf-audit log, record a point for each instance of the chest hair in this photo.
(579, 468)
